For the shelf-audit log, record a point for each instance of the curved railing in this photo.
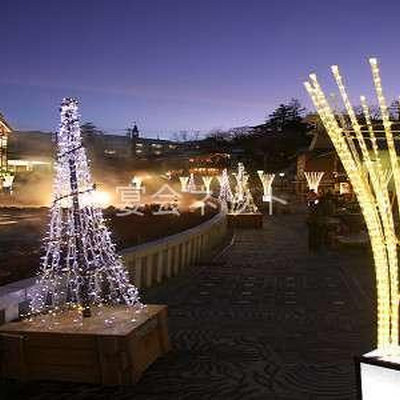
(148, 263)
(155, 261)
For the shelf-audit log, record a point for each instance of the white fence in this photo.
(155, 261)
(148, 264)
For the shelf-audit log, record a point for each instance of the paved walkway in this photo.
(265, 320)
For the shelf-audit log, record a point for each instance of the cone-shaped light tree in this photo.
(80, 266)
(373, 177)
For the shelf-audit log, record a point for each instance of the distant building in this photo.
(320, 156)
(30, 151)
(34, 150)
(5, 130)
(209, 163)
(136, 148)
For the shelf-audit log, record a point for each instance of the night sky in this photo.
(184, 64)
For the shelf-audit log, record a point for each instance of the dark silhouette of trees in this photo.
(272, 145)
(278, 141)
(92, 138)
(286, 115)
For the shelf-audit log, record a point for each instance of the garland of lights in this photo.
(370, 180)
(80, 266)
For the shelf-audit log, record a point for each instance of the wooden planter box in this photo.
(94, 351)
(245, 221)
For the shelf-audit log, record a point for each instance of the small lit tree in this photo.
(241, 181)
(242, 202)
(80, 266)
(225, 192)
(191, 186)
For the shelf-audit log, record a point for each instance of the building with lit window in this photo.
(30, 151)
(5, 130)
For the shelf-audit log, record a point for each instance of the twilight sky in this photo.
(185, 64)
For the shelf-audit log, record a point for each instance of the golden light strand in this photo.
(396, 176)
(383, 202)
(355, 171)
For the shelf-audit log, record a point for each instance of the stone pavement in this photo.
(264, 320)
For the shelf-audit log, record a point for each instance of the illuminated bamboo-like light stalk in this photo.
(207, 183)
(380, 178)
(384, 175)
(367, 195)
(350, 113)
(351, 164)
(184, 182)
(266, 180)
(345, 126)
(396, 176)
(370, 128)
(382, 198)
(313, 180)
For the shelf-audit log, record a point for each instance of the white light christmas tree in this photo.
(225, 192)
(80, 266)
(313, 179)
